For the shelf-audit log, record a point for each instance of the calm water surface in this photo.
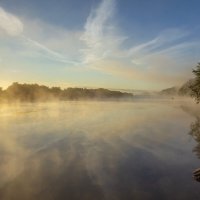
(99, 150)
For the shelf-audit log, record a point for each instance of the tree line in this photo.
(190, 88)
(34, 92)
(195, 86)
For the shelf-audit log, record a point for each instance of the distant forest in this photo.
(184, 90)
(35, 92)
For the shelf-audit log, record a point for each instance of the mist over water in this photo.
(98, 150)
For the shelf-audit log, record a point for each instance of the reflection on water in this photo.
(103, 150)
(194, 126)
(195, 132)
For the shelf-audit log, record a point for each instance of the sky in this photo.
(119, 44)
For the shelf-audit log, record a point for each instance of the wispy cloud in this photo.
(164, 40)
(100, 35)
(101, 46)
(45, 51)
(10, 24)
(13, 26)
(155, 60)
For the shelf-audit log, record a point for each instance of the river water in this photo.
(99, 150)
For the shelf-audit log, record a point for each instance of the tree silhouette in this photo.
(35, 92)
(195, 133)
(195, 87)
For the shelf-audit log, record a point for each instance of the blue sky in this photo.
(130, 44)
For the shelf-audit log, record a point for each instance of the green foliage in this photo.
(195, 87)
(35, 92)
